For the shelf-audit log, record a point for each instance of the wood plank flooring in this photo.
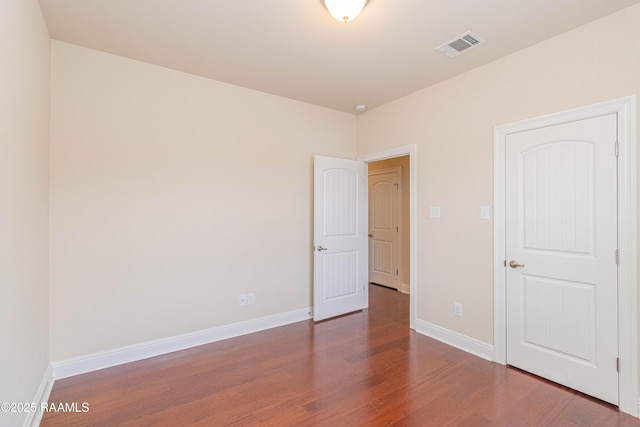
(363, 369)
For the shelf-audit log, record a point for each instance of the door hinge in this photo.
(396, 271)
(617, 364)
(396, 228)
(504, 263)
(617, 148)
(617, 256)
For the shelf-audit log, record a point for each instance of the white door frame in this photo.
(406, 150)
(625, 108)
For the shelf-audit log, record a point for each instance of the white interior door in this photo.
(340, 237)
(384, 236)
(561, 239)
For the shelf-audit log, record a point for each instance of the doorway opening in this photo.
(405, 158)
(389, 228)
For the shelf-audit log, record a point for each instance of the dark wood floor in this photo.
(366, 368)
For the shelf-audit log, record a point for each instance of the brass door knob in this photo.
(514, 264)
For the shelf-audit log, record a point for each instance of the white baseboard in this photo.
(105, 359)
(404, 288)
(463, 342)
(42, 396)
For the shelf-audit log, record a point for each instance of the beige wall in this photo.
(172, 194)
(402, 162)
(24, 139)
(452, 125)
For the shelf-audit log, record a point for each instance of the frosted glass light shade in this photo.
(345, 10)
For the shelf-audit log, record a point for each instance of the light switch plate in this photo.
(485, 212)
(434, 212)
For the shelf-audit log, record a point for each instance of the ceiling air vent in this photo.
(463, 43)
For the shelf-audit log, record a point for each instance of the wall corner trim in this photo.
(119, 356)
(455, 339)
(42, 396)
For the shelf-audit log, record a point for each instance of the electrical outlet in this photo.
(457, 309)
(251, 298)
(243, 299)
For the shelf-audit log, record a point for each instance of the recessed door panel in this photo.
(560, 317)
(341, 203)
(340, 275)
(558, 197)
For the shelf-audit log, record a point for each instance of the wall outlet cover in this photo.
(457, 309)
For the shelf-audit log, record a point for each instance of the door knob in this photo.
(514, 264)
(370, 235)
(320, 249)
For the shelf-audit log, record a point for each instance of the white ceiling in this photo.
(295, 49)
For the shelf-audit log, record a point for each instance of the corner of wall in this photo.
(41, 399)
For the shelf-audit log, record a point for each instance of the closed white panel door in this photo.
(561, 246)
(340, 237)
(384, 245)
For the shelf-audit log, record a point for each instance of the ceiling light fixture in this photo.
(345, 10)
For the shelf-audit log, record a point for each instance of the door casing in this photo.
(625, 108)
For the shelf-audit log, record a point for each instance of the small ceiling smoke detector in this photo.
(360, 108)
(462, 43)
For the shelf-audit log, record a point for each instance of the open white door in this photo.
(340, 237)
